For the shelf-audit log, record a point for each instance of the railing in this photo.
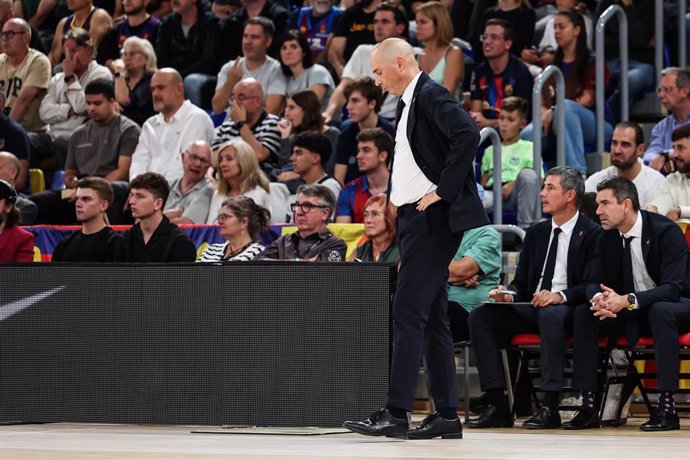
(682, 58)
(491, 133)
(539, 80)
(610, 12)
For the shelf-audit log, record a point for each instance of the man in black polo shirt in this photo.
(96, 241)
(153, 238)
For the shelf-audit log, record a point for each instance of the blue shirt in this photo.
(661, 137)
(515, 80)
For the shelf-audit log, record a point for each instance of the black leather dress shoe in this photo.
(544, 419)
(434, 426)
(477, 404)
(380, 423)
(660, 420)
(491, 417)
(584, 419)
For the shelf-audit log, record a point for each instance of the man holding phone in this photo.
(548, 284)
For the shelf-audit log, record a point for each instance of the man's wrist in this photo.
(68, 78)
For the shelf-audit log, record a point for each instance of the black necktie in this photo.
(550, 264)
(399, 111)
(632, 328)
(628, 282)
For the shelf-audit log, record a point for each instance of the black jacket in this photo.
(444, 142)
(583, 242)
(167, 244)
(195, 53)
(665, 255)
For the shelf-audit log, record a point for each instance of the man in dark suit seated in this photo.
(433, 186)
(551, 276)
(638, 277)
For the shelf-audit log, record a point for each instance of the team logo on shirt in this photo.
(334, 256)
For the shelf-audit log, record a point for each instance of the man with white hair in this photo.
(434, 189)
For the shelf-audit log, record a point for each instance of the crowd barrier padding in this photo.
(249, 343)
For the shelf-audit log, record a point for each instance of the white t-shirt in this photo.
(648, 182)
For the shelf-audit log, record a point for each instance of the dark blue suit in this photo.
(443, 139)
(492, 326)
(662, 312)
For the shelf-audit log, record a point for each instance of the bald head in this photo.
(167, 91)
(394, 65)
(9, 167)
(250, 95)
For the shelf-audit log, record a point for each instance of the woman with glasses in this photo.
(240, 222)
(240, 174)
(133, 79)
(440, 59)
(380, 230)
(300, 71)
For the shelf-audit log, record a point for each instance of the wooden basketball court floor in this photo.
(105, 442)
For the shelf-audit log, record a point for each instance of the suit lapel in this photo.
(411, 114)
(575, 244)
(647, 236)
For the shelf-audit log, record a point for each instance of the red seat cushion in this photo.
(684, 339)
(533, 340)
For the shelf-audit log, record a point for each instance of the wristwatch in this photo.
(632, 302)
(68, 78)
(241, 123)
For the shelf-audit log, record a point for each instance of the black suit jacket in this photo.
(444, 141)
(583, 243)
(665, 255)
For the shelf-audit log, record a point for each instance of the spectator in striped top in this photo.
(249, 121)
(239, 175)
(240, 222)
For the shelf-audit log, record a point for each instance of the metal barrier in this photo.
(491, 133)
(610, 12)
(682, 58)
(539, 80)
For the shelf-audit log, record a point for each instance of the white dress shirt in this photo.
(161, 142)
(408, 182)
(641, 278)
(559, 282)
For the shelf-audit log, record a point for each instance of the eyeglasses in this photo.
(306, 207)
(241, 97)
(665, 89)
(131, 53)
(196, 158)
(223, 217)
(11, 33)
(492, 37)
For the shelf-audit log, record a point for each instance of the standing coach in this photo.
(433, 186)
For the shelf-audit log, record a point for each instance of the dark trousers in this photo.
(458, 318)
(493, 326)
(420, 319)
(663, 320)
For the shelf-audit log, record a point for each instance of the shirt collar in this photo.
(177, 116)
(566, 228)
(636, 229)
(409, 91)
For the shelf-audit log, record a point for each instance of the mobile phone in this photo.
(507, 292)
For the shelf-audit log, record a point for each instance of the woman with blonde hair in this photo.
(240, 174)
(133, 79)
(440, 59)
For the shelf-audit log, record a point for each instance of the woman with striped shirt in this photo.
(241, 221)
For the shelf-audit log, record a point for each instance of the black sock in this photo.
(552, 399)
(667, 401)
(448, 413)
(497, 399)
(396, 412)
(588, 398)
